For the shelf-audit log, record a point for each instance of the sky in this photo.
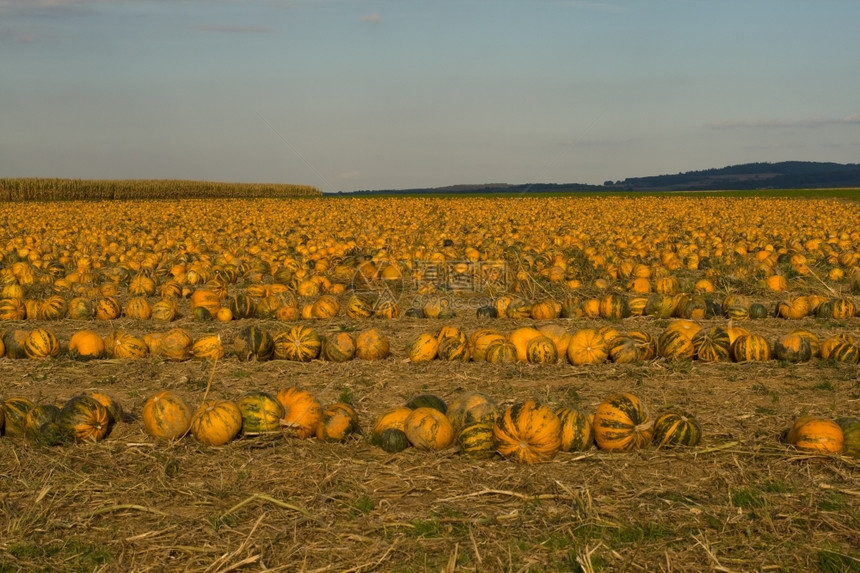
(390, 94)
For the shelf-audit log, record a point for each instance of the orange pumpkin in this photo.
(428, 429)
(166, 415)
(587, 346)
(338, 347)
(520, 338)
(216, 422)
(423, 348)
(528, 432)
(84, 419)
(325, 306)
(816, 434)
(577, 429)
(371, 345)
(208, 347)
(621, 423)
(393, 419)
(86, 345)
(302, 412)
(339, 421)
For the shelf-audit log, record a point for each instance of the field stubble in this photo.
(741, 501)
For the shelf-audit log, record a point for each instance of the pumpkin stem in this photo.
(211, 377)
(644, 427)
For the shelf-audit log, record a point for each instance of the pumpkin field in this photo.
(550, 383)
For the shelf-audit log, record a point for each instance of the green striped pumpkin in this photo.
(427, 401)
(453, 348)
(261, 413)
(518, 308)
(359, 307)
(472, 408)
(842, 308)
(528, 432)
(216, 422)
(84, 419)
(53, 308)
(501, 352)
(577, 429)
(423, 348)
(614, 306)
(338, 347)
(842, 351)
(674, 428)
(623, 350)
(41, 343)
(242, 306)
(299, 344)
(39, 416)
(712, 345)
(621, 423)
(675, 345)
(645, 344)
(751, 348)
(12, 309)
(391, 440)
(15, 412)
(541, 350)
(253, 342)
(792, 348)
(477, 441)
(851, 435)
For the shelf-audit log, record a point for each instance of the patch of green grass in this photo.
(833, 501)
(196, 384)
(748, 498)
(825, 385)
(833, 561)
(345, 396)
(364, 504)
(239, 374)
(75, 555)
(776, 486)
(428, 528)
(639, 532)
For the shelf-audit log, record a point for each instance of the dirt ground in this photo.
(741, 501)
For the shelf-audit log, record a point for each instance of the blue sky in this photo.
(380, 94)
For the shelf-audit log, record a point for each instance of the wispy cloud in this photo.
(235, 29)
(584, 143)
(371, 18)
(29, 7)
(810, 122)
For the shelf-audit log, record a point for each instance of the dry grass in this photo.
(739, 502)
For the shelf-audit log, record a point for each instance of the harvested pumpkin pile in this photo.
(650, 389)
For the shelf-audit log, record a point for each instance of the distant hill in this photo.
(485, 188)
(783, 175)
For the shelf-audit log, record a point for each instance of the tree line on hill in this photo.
(747, 176)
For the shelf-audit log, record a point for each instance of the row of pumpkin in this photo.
(276, 301)
(527, 432)
(551, 343)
